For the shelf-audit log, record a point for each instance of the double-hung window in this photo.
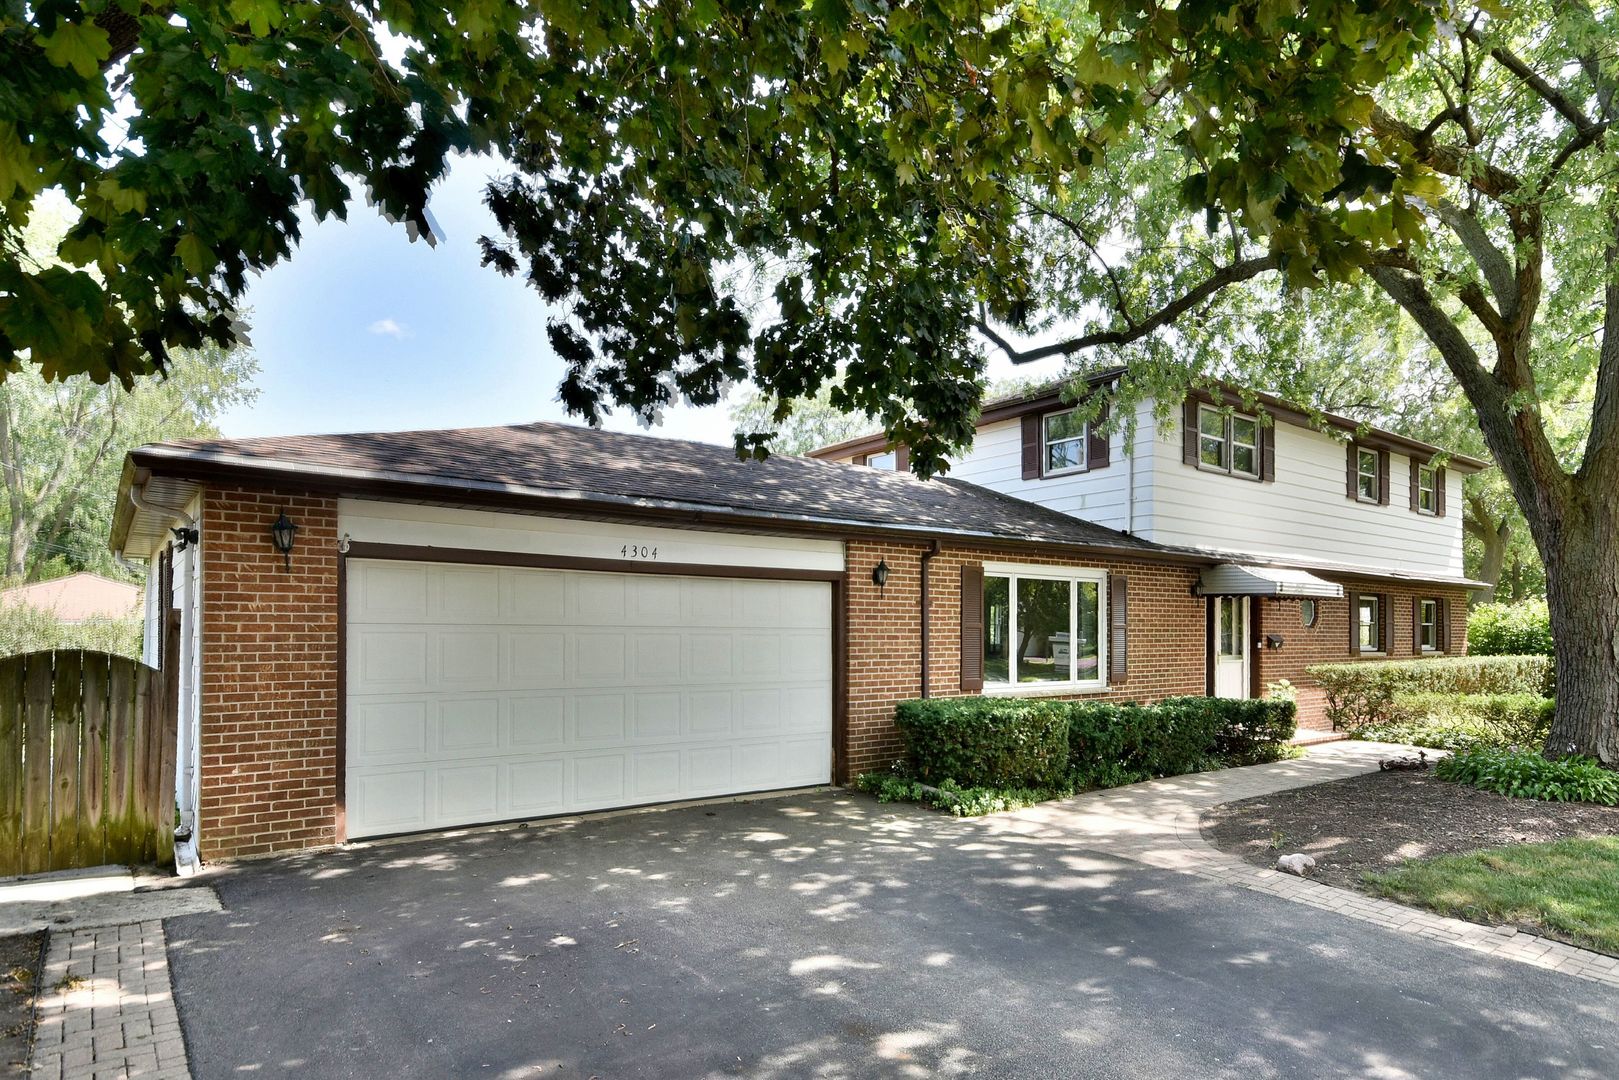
(1044, 627)
(1427, 490)
(1369, 623)
(1227, 442)
(1428, 625)
(1368, 474)
(1063, 436)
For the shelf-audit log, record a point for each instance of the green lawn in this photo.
(1569, 888)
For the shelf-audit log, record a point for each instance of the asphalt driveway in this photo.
(828, 936)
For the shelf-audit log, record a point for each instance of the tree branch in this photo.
(1078, 233)
(1491, 262)
(1228, 275)
(1461, 162)
(1530, 78)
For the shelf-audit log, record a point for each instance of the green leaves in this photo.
(80, 46)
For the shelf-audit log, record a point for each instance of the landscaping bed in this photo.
(1373, 823)
(19, 977)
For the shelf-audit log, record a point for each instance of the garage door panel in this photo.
(490, 693)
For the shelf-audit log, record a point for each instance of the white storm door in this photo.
(480, 693)
(1231, 646)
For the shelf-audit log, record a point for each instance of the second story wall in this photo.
(1305, 513)
(1100, 495)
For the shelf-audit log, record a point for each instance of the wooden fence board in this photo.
(36, 798)
(87, 750)
(93, 761)
(11, 765)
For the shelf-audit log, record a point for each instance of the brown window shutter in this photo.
(1443, 615)
(1189, 431)
(1439, 492)
(1031, 446)
(1382, 478)
(1416, 626)
(1351, 489)
(1385, 624)
(972, 626)
(902, 459)
(1267, 452)
(1097, 445)
(1416, 485)
(1354, 623)
(1118, 622)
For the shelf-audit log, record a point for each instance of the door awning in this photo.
(1229, 579)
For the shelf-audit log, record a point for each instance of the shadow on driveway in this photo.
(829, 936)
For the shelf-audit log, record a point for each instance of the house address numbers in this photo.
(639, 551)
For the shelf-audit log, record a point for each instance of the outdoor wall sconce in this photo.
(185, 536)
(879, 573)
(1273, 641)
(281, 535)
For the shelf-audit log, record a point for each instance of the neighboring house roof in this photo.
(567, 469)
(77, 597)
(1042, 398)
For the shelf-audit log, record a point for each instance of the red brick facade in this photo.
(270, 740)
(269, 675)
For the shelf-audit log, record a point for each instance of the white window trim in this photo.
(1228, 439)
(1377, 626)
(1376, 474)
(892, 467)
(1422, 624)
(1432, 490)
(1083, 438)
(1013, 571)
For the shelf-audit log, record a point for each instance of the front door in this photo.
(1231, 646)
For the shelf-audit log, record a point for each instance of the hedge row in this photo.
(1363, 693)
(1020, 743)
(1459, 721)
(1510, 629)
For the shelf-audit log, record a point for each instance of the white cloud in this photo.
(390, 328)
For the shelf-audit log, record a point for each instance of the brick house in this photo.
(496, 624)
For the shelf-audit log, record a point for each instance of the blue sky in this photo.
(362, 330)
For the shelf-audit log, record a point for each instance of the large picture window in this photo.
(1044, 628)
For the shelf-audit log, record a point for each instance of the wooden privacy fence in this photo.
(87, 749)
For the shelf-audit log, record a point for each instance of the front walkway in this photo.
(1158, 823)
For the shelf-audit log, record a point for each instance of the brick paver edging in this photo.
(1158, 823)
(106, 1007)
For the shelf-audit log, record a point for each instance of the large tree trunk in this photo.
(1582, 593)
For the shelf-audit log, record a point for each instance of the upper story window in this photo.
(1368, 474)
(1227, 442)
(1427, 489)
(1063, 436)
(1043, 628)
(888, 460)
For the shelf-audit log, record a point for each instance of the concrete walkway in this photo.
(1158, 823)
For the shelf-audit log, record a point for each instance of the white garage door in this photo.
(479, 694)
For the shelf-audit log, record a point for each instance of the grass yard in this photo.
(1568, 889)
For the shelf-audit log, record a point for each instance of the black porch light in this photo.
(282, 534)
(879, 573)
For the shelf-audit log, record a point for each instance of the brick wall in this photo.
(1166, 635)
(269, 675)
(1327, 642)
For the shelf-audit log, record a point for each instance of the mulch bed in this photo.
(1377, 820)
(19, 976)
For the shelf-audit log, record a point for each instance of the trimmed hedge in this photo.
(1520, 629)
(986, 742)
(1015, 743)
(1459, 721)
(1363, 693)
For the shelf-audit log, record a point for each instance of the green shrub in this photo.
(985, 741)
(952, 797)
(1248, 732)
(1520, 629)
(1363, 693)
(1526, 774)
(27, 629)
